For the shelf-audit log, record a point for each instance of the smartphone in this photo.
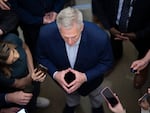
(143, 98)
(132, 70)
(22, 111)
(69, 77)
(109, 96)
(42, 68)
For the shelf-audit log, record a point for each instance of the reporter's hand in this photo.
(3, 5)
(118, 108)
(38, 75)
(19, 97)
(139, 65)
(10, 110)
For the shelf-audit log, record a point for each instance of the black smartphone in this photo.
(132, 70)
(42, 68)
(143, 98)
(109, 96)
(69, 77)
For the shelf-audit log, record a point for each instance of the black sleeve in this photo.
(100, 11)
(8, 21)
(6, 82)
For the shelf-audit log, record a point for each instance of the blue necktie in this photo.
(124, 16)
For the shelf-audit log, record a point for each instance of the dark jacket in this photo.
(32, 11)
(94, 55)
(8, 21)
(2, 100)
(139, 22)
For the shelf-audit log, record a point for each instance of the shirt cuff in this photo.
(55, 74)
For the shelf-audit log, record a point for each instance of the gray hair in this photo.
(68, 16)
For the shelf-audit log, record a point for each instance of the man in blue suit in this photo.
(82, 48)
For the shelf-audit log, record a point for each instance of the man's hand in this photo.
(139, 65)
(19, 97)
(80, 78)
(3, 5)
(118, 108)
(59, 77)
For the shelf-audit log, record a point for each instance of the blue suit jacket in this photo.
(2, 100)
(94, 55)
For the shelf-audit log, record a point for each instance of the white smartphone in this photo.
(22, 111)
(109, 96)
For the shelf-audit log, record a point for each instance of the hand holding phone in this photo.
(42, 68)
(109, 96)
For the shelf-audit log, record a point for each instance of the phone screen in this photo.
(109, 96)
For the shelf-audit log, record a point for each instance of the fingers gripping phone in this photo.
(42, 68)
(109, 96)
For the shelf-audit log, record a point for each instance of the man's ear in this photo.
(82, 27)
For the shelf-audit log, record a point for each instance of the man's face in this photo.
(71, 35)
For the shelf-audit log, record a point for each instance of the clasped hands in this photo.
(122, 36)
(80, 78)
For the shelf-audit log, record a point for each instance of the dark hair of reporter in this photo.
(5, 48)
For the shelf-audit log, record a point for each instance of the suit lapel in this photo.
(81, 51)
